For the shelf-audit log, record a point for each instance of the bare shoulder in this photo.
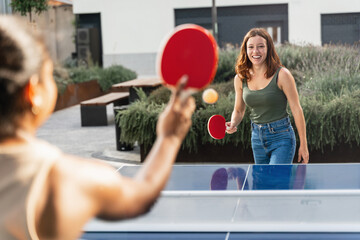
(78, 190)
(284, 73)
(238, 77)
(238, 82)
(285, 77)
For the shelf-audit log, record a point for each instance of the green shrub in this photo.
(226, 65)
(160, 95)
(332, 122)
(70, 62)
(62, 78)
(331, 85)
(309, 62)
(106, 77)
(83, 74)
(143, 118)
(146, 111)
(115, 74)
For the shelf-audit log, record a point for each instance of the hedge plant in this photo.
(115, 74)
(106, 77)
(226, 65)
(328, 80)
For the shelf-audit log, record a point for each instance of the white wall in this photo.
(305, 17)
(90, 6)
(132, 30)
(4, 7)
(223, 3)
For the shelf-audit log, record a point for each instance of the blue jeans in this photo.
(273, 143)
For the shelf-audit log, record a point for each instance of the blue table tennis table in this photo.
(237, 201)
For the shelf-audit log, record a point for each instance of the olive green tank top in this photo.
(267, 104)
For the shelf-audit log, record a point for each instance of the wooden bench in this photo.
(93, 111)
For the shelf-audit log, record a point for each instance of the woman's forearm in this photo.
(300, 125)
(236, 117)
(157, 167)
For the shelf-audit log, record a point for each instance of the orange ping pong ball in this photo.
(210, 96)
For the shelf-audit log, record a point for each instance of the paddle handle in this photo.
(185, 93)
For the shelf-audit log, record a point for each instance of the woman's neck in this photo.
(21, 135)
(258, 70)
(28, 126)
(12, 141)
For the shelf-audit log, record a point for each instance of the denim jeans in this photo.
(273, 143)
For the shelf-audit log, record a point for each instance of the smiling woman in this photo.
(266, 87)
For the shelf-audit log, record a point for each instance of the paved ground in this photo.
(63, 129)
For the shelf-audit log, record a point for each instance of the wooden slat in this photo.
(106, 99)
(139, 82)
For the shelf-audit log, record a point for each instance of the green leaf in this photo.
(25, 7)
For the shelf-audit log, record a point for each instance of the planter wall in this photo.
(339, 154)
(210, 154)
(76, 93)
(236, 154)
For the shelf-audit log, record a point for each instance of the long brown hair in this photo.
(243, 63)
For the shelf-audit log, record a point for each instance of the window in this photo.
(275, 33)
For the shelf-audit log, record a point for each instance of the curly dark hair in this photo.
(22, 54)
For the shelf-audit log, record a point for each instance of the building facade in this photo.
(130, 32)
(5, 7)
(57, 24)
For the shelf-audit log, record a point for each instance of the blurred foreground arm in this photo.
(81, 189)
(172, 127)
(138, 194)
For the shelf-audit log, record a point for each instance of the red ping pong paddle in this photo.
(189, 51)
(217, 126)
